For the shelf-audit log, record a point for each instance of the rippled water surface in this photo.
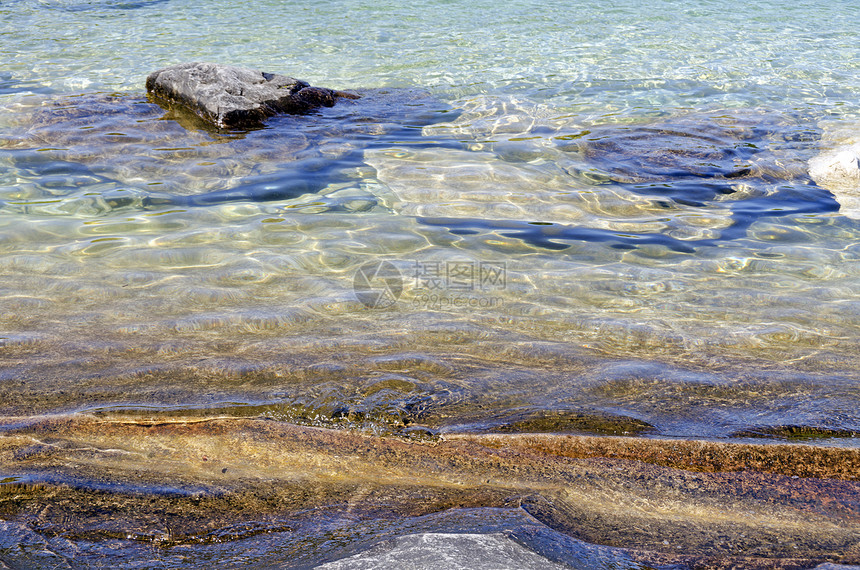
(590, 218)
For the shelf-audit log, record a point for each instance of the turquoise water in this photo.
(585, 58)
(598, 218)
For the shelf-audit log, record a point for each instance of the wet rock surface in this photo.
(235, 97)
(476, 551)
(213, 482)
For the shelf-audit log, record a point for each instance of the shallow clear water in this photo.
(598, 218)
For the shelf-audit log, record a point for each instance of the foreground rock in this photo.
(112, 483)
(234, 97)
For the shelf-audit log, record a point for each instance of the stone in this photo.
(447, 550)
(727, 146)
(838, 170)
(122, 142)
(234, 97)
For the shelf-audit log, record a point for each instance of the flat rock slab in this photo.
(201, 483)
(235, 97)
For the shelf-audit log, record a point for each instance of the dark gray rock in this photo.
(234, 97)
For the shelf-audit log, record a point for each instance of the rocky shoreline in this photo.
(209, 482)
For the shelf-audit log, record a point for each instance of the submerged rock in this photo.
(721, 146)
(672, 182)
(80, 151)
(235, 97)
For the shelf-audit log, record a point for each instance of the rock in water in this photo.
(234, 97)
(838, 170)
(447, 550)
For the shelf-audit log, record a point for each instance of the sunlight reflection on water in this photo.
(596, 221)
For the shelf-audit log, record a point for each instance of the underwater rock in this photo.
(679, 181)
(69, 145)
(235, 97)
(727, 146)
(838, 170)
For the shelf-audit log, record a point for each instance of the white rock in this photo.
(441, 551)
(838, 170)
